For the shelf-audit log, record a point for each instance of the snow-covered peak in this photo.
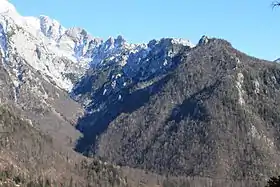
(63, 55)
(110, 42)
(182, 41)
(76, 32)
(51, 28)
(6, 7)
(36, 42)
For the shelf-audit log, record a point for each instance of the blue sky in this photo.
(250, 25)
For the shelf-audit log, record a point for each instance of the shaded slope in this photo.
(216, 116)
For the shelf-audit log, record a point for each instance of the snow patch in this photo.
(113, 84)
(118, 75)
(273, 78)
(105, 91)
(238, 60)
(182, 42)
(6, 7)
(257, 86)
(15, 95)
(87, 102)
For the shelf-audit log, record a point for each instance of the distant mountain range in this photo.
(166, 113)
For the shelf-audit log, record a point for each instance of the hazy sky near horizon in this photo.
(252, 26)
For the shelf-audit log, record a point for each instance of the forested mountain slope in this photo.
(214, 114)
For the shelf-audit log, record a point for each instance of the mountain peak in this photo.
(76, 33)
(50, 27)
(120, 40)
(6, 7)
(182, 41)
(203, 40)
